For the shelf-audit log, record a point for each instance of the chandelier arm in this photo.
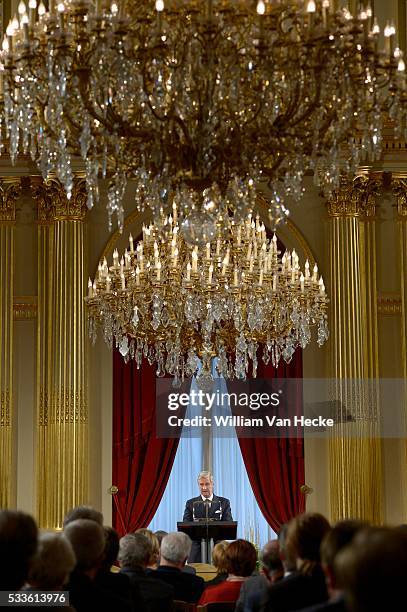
(311, 106)
(184, 129)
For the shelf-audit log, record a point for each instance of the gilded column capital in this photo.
(53, 202)
(41, 196)
(355, 198)
(10, 190)
(400, 193)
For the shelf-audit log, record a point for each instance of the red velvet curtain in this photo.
(275, 466)
(141, 462)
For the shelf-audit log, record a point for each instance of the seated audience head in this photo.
(175, 549)
(341, 534)
(303, 540)
(18, 543)
(135, 551)
(272, 564)
(372, 570)
(219, 556)
(88, 542)
(52, 563)
(160, 535)
(84, 512)
(241, 558)
(290, 565)
(155, 547)
(111, 548)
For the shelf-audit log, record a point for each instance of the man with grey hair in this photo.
(52, 563)
(134, 555)
(175, 549)
(206, 505)
(254, 590)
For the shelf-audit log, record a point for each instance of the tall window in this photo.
(223, 457)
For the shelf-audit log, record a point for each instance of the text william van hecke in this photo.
(272, 421)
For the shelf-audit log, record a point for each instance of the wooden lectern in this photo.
(208, 531)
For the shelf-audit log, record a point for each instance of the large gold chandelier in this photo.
(191, 97)
(235, 299)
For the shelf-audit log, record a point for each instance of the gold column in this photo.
(62, 426)
(10, 189)
(355, 447)
(400, 191)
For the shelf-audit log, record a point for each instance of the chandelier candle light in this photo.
(183, 97)
(177, 304)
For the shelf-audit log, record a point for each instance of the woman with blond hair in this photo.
(220, 562)
(155, 545)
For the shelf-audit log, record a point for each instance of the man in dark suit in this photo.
(134, 554)
(205, 505)
(175, 549)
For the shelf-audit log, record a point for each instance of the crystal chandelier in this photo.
(233, 299)
(190, 98)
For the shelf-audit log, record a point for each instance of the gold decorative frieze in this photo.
(355, 198)
(389, 304)
(24, 308)
(10, 190)
(5, 409)
(62, 406)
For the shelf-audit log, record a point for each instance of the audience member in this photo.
(52, 563)
(88, 542)
(335, 540)
(289, 565)
(241, 560)
(254, 590)
(175, 548)
(306, 586)
(189, 569)
(18, 543)
(160, 535)
(372, 570)
(50, 568)
(155, 548)
(135, 554)
(84, 512)
(107, 580)
(219, 561)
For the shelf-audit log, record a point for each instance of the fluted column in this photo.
(355, 447)
(9, 191)
(62, 417)
(400, 191)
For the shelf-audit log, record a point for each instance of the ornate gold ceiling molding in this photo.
(25, 307)
(389, 304)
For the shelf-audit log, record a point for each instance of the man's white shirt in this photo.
(207, 498)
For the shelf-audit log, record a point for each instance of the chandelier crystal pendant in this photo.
(235, 298)
(191, 97)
